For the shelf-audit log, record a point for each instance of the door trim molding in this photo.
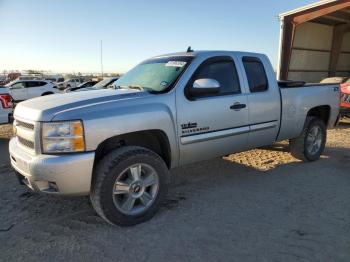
(263, 126)
(211, 135)
(185, 140)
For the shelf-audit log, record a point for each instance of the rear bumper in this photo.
(55, 174)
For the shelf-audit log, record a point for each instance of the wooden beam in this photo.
(288, 38)
(338, 34)
(311, 49)
(319, 11)
(308, 71)
(345, 11)
(342, 20)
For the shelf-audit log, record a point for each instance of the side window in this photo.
(30, 84)
(256, 74)
(18, 85)
(222, 70)
(41, 83)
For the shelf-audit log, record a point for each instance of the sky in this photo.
(65, 35)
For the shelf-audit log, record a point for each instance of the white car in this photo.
(70, 83)
(25, 89)
(5, 105)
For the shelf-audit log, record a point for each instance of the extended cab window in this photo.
(256, 74)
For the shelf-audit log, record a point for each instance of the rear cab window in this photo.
(256, 75)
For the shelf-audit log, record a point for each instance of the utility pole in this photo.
(101, 61)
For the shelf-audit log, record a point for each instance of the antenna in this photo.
(189, 50)
(101, 61)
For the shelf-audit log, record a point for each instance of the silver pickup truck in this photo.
(117, 145)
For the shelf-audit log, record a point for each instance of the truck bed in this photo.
(297, 100)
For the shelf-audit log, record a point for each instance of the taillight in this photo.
(6, 100)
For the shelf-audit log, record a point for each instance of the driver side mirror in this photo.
(205, 86)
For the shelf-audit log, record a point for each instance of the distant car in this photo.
(344, 95)
(55, 79)
(105, 83)
(73, 82)
(21, 90)
(5, 105)
(83, 85)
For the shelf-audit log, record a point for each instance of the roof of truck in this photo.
(206, 52)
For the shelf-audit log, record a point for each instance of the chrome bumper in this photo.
(68, 174)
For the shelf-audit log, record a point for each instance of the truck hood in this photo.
(44, 108)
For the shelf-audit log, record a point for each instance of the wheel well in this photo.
(321, 112)
(155, 140)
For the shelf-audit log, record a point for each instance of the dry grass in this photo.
(6, 131)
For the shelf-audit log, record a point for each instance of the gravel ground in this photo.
(261, 205)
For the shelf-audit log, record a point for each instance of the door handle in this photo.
(237, 106)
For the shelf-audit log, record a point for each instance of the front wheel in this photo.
(310, 144)
(129, 185)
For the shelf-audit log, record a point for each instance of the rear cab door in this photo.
(263, 97)
(215, 124)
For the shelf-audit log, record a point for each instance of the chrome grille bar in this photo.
(25, 133)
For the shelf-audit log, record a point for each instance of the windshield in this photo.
(154, 75)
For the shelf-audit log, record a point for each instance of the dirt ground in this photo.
(261, 205)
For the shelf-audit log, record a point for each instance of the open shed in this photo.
(315, 42)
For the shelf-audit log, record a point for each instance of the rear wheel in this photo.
(311, 143)
(129, 185)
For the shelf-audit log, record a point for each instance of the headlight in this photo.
(63, 137)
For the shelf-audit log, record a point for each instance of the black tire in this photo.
(298, 146)
(106, 173)
(47, 93)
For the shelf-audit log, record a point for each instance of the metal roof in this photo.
(330, 12)
(306, 7)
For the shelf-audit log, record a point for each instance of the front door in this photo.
(18, 91)
(211, 125)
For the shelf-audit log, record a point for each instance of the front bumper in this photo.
(68, 174)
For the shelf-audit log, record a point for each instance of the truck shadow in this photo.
(242, 171)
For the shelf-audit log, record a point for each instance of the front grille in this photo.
(26, 142)
(25, 133)
(25, 125)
